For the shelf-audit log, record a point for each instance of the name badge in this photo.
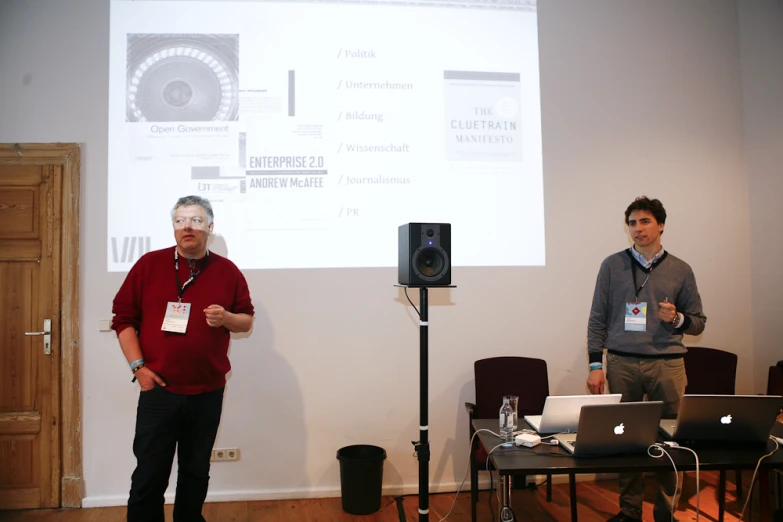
(176, 319)
(635, 317)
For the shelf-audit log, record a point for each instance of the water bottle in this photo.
(507, 422)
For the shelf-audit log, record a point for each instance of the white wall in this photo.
(761, 47)
(638, 98)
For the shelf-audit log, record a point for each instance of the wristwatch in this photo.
(676, 321)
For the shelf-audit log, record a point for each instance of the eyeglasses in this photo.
(195, 222)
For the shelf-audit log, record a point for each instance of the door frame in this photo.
(67, 157)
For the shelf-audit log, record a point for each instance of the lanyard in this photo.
(637, 290)
(181, 287)
(647, 271)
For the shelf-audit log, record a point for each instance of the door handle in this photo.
(47, 333)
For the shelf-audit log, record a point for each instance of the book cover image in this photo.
(483, 120)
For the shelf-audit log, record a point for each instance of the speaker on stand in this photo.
(425, 254)
(424, 261)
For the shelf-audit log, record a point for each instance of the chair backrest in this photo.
(710, 371)
(524, 377)
(775, 380)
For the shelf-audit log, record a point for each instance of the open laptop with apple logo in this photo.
(561, 412)
(613, 429)
(724, 418)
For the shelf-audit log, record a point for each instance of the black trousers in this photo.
(164, 422)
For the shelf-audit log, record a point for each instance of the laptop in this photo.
(612, 429)
(561, 412)
(720, 418)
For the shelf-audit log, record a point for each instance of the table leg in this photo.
(721, 495)
(764, 494)
(506, 514)
(572, 494)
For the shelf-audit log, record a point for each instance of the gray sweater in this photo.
(671, 278)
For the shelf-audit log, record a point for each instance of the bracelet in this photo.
(596, 366)
(136, 363)
(138, 367)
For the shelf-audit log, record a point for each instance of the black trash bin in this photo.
(361, 478)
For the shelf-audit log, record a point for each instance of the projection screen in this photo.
(317, 128)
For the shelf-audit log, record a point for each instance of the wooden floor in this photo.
(597, 502)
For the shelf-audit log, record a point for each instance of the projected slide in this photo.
(317, 128)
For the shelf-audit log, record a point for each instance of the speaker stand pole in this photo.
(423, 445)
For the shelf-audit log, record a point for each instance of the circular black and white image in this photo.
(182, 77)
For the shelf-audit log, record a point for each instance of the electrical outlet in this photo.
(224, 454)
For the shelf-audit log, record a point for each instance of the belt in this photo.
(664, 356)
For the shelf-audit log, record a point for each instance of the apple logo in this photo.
(619, 429)
(726, 419)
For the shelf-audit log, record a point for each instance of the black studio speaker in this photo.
(425, 254)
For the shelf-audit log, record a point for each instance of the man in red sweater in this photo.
(173, 316)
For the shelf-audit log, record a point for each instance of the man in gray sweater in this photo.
(645, 299)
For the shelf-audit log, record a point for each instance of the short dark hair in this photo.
(653, 206)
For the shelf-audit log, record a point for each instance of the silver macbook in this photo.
(561, 412)
(718, 418)
(611, 429)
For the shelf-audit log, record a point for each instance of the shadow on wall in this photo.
(268, 410)
(217, 244)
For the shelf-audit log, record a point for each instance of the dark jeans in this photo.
(164, 422)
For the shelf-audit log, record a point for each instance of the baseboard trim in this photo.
(325, 492)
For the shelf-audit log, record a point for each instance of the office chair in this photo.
(712, 372)
(775, 387)
(775, 380)
(495, 377)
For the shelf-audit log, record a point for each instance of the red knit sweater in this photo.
(191, 362)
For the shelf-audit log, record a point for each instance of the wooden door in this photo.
(36, 279)
(29, 295)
